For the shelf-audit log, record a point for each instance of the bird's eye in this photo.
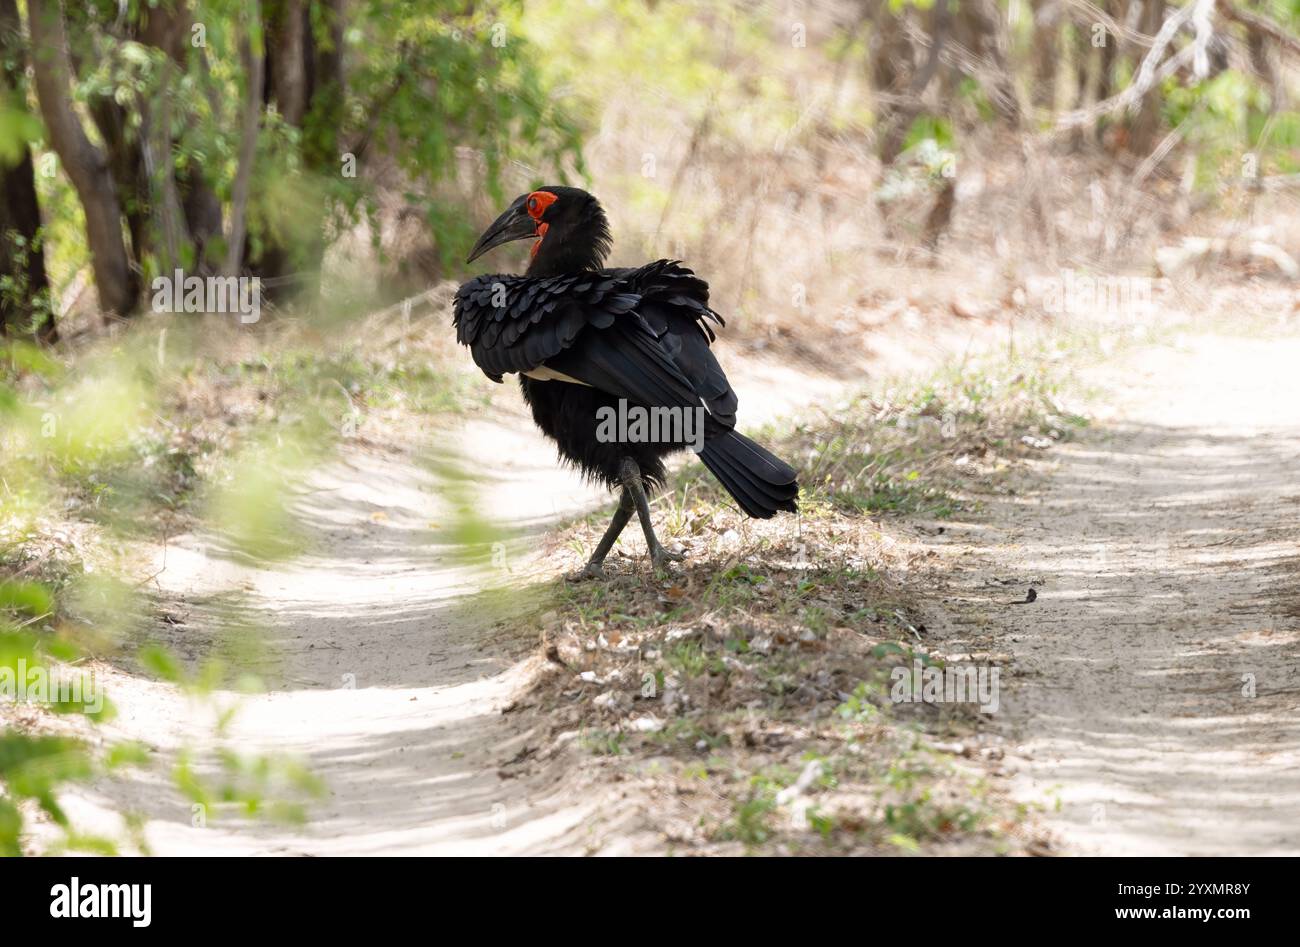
(532, 205)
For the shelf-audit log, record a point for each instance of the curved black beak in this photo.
(514, 224)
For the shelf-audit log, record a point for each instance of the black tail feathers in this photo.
(760, 482)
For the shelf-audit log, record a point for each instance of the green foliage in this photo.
(430, 84)
(928, 156)
(68, 432)
(861, 705)
(751, 820)
(33, 767)
(29, 597)
(1228, 120)
(16, 290)
(18, 129)
(599, 742)
(932, 128)
(914, 811)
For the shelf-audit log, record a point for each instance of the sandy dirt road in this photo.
(1155, 708)
(387, 674)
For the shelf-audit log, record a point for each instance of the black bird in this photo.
(584, 338)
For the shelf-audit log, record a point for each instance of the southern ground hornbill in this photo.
(588, 341)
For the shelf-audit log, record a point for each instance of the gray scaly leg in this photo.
(594, 569)
(630, 474)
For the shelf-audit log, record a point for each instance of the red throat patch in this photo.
(541, 232)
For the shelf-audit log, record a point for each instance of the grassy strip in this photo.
(749, 692)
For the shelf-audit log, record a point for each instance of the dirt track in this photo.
(390, 671)
(384, 679)
(1165, 541)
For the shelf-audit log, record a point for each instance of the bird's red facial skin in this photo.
(536, 206)
(537, 203)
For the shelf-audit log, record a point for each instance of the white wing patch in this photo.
(542, 373)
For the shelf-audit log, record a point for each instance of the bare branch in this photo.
(1202, 21)
(1149, 73)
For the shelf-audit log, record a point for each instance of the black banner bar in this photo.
(296, 896)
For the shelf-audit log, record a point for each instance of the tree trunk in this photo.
(902, 99)
(287, 29)
(1108, 53)
(87, 166)
(167, 27)
(1261, 61)
(20, 213)
(284, 28)
(890, 52)
(1143, 131)
(304, 81)
(254, 70)
(978, 26)
(325, 117)
(126, 165)
(1047, 53)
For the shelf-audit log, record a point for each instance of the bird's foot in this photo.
(660, 557)
(592, 570)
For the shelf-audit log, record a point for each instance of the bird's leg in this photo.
(594, 568)
(630, 474)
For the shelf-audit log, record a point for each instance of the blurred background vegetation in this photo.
(800, 154)
(283, 139)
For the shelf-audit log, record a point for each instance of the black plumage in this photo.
(583, 338)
